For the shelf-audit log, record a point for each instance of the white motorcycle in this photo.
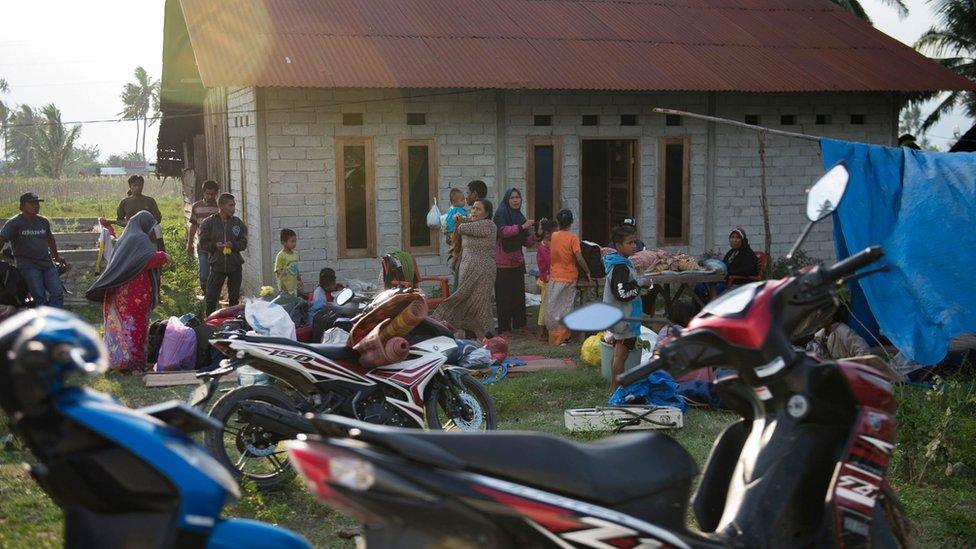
(424, 391)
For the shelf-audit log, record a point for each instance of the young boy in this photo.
(327, 288)
(457, 208)
(543, 259)
(622, 290)
(286, 264)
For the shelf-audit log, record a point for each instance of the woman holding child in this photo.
(469, 307)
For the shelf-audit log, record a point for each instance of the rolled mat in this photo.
(408, 319)
(374, 352)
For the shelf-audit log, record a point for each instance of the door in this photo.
(620, 181)
(608, 173)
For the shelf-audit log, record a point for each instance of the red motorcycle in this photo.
(804, 467)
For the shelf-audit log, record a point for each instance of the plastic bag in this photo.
(335, 336)
(658, 389)
(269, 319)
(179, 348)
(434, 216)
(498, 348)
(590, 352)
(478, 359)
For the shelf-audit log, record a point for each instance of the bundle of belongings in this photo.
(380, 335)
(660, 261)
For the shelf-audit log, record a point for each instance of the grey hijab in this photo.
(132, 253)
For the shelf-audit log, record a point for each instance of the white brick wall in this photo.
(242, 130)
(302, 124)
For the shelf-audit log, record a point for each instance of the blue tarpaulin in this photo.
(921, 207)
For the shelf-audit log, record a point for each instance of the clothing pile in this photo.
(657, 261)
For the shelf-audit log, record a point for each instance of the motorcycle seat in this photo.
(609, 471)
(332, 352)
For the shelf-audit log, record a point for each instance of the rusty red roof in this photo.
(713, 45)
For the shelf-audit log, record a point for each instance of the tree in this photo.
(54, 143)
(911, 122)
(955, 35)
(119, 160)
(857, 9)
(139, 98)
(4, 118)
(84, 160)
(23, 132)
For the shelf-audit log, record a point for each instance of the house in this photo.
(966, 143)
(345, 119)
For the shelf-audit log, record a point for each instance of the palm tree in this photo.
(857, 9)
(4, 118)
(954, 35)
(23, 132)
(138, 99)
(55, 143)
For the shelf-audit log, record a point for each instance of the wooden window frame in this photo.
(683, 240)
(370, 250)
(435, 235)
(557, 172)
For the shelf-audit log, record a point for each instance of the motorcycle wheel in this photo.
(474, 397)
(239, 445)
(890, 526)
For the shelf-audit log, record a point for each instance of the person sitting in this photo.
(328, 287)
(740, 260)
(837, 340)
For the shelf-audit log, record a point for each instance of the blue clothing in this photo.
(658, 389)
(451, 223)
(919, 206)
(636, 306)
(203, 259)
(44, 285)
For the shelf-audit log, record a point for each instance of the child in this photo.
(544, 260)
(457, 208)
(679, 316)
(286, 264)
(621, 290)
(327, 288)
(567, 263)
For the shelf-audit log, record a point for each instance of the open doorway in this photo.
(609, 171)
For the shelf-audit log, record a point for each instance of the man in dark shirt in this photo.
(137, 202)
(224, 236)
(33, 245)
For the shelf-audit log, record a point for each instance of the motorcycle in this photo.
(424, 391)
(803, 467)
(123, 477)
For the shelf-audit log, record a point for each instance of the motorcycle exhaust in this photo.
(280, 421)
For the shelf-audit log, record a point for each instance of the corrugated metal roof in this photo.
(714, 45)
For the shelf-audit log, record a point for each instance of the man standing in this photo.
(33, 245)
(137, 202)
(201, 210)
(223, 236)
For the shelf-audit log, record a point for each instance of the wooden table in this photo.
(663, 284)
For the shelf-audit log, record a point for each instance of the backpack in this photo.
(593, 256)
(13, 290)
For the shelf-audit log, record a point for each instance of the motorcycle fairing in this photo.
(410, 378)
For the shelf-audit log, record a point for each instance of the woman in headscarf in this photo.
(513, 234)
(129, 290)
(469, 307)
(740, 259)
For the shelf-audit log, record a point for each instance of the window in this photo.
(787, 119)
(672, 120)
(823, 119)
(352, 119)
(543, 176)
(542, 120)
(857, 119)
(591, 120)
(418, 187)
(752, 119)
(355, 189)
(673, 191)
(628, 119)
(416, 119)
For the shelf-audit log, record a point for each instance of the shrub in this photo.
(781, 267)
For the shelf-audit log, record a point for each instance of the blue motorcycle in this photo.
(123, 477)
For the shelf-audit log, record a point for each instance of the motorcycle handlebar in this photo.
(853, 263)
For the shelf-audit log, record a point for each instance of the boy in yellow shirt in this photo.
(286, 264)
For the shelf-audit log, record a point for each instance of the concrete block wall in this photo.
(242, 122)
(302, 125)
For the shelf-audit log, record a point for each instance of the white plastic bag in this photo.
(269, 319)
(335, 336)
(434, 216)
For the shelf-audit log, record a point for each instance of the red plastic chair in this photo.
(441, 281)
(762, 260)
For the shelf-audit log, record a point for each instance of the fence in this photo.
(94, 188)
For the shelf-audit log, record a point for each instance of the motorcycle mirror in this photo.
(344, 296)
(823, 198)
(592, 318)
(825, 195)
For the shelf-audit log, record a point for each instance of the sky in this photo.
(80, 58)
